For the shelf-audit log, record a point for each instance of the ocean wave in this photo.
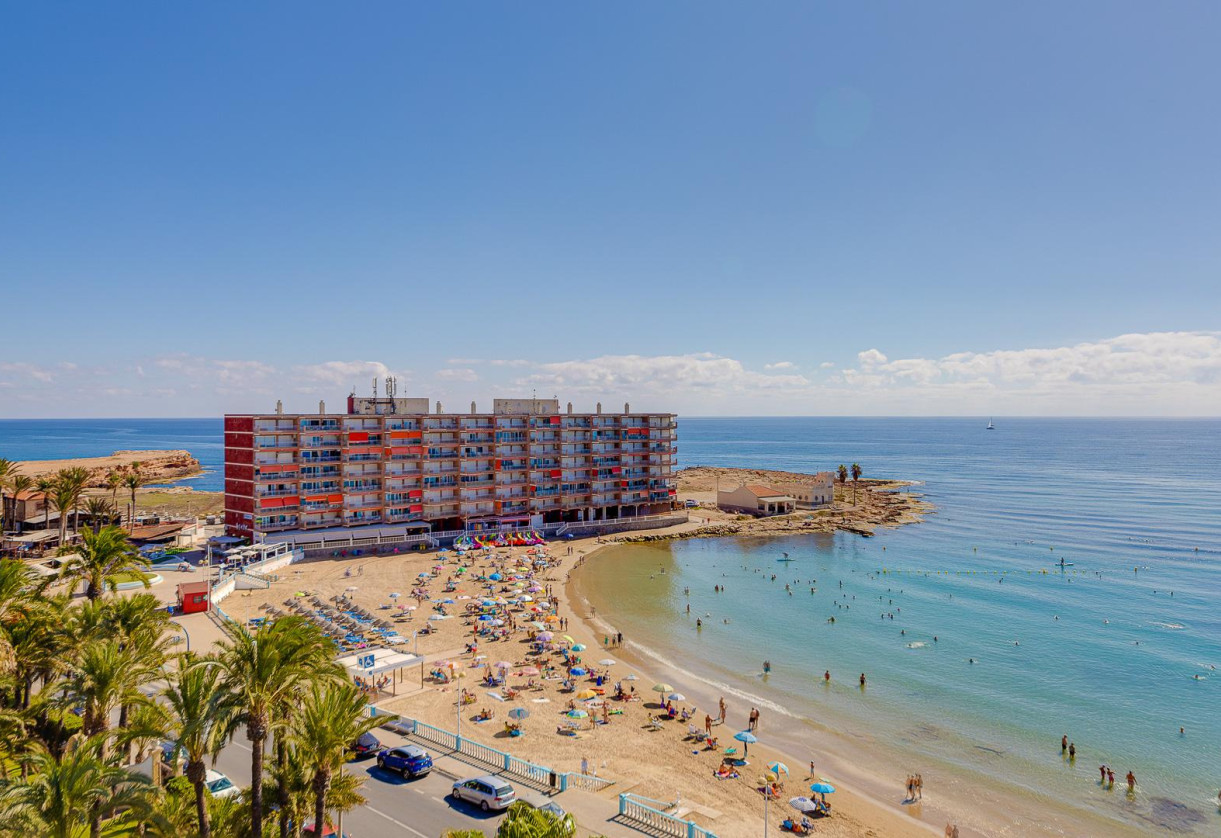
(1169, 626)
(719, 685)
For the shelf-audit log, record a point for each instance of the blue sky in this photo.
(797, 208)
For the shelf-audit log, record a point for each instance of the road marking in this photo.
(395, 821)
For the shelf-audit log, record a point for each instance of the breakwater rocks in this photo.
(153, 466)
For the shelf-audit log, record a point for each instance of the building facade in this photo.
(820, 491)
(525, 464)
(756, 499)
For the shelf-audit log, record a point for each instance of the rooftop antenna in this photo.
(375, 388)
(391, 390)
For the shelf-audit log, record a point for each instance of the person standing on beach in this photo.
(1131, 783)
(1110, 778)
(722, 719)
(1102, 772)
(862, 680)
(1063, 744)
(707, 724)
(826, 677)
(1072, 752)
(920, 786)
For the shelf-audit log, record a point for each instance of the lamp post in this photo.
(185, 633)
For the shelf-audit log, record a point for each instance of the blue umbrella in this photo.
(823, 788)
(577, 670)
(518, 713)
(485, 618)
(746, 738)
(495, 577)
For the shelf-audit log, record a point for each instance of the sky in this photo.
(777, 208)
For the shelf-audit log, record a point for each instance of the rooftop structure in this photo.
(523, 465)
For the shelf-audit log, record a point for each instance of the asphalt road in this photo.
(419, 808)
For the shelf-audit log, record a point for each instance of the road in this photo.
(395, 806)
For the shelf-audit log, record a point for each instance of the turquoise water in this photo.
(1099, 651)
(56, 439)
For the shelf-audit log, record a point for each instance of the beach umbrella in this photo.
(578, 647)
(778, 768)
(578, 670)
(676, 697)
(518, 713)
(632, 677)
(662, 688)
(485, 618)
(569, 639)
(607, 662)
(529, 671)
(746, 738)
(495, 577)
(545, 636)
(822, 788)
(577, 713)
(488, 602)
(525, 598)
(803, 804)
(418, 576)
(350, 588)
(584, 694)
(503, 665)
(394, 595)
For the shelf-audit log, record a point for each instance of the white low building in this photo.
(811, 495)
(756, 499)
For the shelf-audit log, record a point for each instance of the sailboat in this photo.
(990, 427)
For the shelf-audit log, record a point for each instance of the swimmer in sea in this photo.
(698, 624)
(826, 678)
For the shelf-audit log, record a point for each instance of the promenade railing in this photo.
(650, 814)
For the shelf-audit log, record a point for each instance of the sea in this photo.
(981, 649)
(58, 439)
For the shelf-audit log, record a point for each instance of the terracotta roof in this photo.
(761, 491)
(28, 494)
(194, 587)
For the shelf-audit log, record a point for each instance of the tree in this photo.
(68, 798)
(262, 670)
(18, 485)
(841, 474)
(295, 777)
(8, 471)
(100, 513)
(198, 717)
(103, 678)
(77, 479)
(330, 719)
(856, 475)
(525, 821)
(114, 481)
(139, 625)
(133, 480)
(45, 485)
(99, 557)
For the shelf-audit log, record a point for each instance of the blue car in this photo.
(409, 760)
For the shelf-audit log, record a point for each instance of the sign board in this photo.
(366, 661)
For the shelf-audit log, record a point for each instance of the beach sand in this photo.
(663, 764)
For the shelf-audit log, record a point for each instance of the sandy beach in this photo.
(662, 764)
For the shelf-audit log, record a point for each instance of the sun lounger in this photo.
(695, 733)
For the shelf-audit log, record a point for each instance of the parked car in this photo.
(366, 746)
(409, 760)
(328, 831)
(220, 785)
(690, 504)
(487, 791)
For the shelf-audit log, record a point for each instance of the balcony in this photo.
(322, 521)
(545, 503)
(363, 457)
(319, 425)
(330, 457)
(277, 493)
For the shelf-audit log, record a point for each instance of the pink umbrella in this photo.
(529, 671)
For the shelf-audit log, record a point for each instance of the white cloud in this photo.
(494, 362)
(30, 370)
(780, 365)
(457, 374)
(826, 365)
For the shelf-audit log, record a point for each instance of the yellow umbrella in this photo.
(584, 694)
(569, 639)
(662, 688)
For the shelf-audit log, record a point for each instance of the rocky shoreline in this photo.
(874, 504)
(155, 466)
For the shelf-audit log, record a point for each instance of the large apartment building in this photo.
(391, 462)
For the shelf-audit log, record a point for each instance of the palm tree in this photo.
(330, 719)
(99, 512)
(8, 470)
(841, 474)
(104, 677)
(133, 480)
(856, 475)
(525, 821)
(77, 479)
(198, 716)
(100, 556)
(139, 624)
(67, 798)
(63, 497)
(114, 480)
(18, 485)
(45, 485)
(295, 776)
(264, 671)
